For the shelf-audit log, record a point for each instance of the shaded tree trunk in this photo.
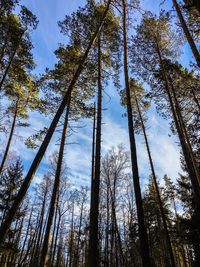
(138, 197)
(10, 137)
(93, 254)
(168, 241)
(184, 147)
(187, 33)
(55, 189)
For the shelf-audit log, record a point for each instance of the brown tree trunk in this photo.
(55, 189)
(93, 253)
(187, 33)
(138, 197)
(185, 133)
(25, 239)
(184, 147)
(10, 137)
(10, 61)
(168, 241)
(23, 190)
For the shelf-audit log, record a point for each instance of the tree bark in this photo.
(54, 197)
(187, 33)
(93, 253)
(146, 262)
(168, 241)
(10, 61)
(184, 147)
(10, 137)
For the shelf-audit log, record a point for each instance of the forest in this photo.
(100, 133)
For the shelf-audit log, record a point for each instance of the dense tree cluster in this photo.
(115, 222)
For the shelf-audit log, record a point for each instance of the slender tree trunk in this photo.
(168, 241)
(77, 256)
(185, 133)
(93, 159)
(25, 239)
(9, 65)
(56, 239)
(196, 99)
(71, 239)
(3, 50)
(187, 33)
(186, 153)
(10, 137)
(138, 197)
(23, 190)
(55, 189)
(40, 227)
(93, 152)
(93, 255)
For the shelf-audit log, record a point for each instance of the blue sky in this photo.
(78, 157)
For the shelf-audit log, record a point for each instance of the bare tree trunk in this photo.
(10, 137)
(93, 254)
(54, 237)
(77, 256)
(55, 189)
(138, 197)
(11, 61)
(185, 133)
(168, 241)
(187, 33)
(25, 239)
(36, 255)
(186, 153)
(71, 239)
(23, 190)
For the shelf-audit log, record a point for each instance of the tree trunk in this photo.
(23, 190)
(93, 254)
(10, 63)
(25, 239)
(185, 133)
(55, 189)
(168, 241)
(187, 33)
(186, 153)
(10, 137)
(54, 239)
(40, 227)
(138, 197)
(77, 256)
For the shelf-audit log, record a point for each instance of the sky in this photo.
(164, 145)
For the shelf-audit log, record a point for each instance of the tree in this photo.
(11, 179)
(24, 98)
(17, 45)
(135, 173)
(187, 33)
(162, 46)
(43, 147)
